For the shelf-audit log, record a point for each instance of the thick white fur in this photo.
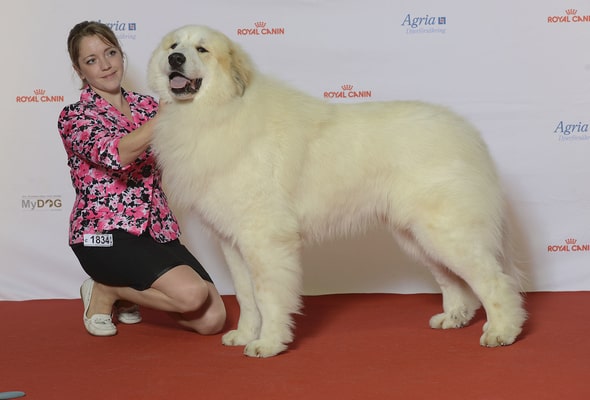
(269, 168)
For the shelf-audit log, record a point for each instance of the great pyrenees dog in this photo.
(269, 168)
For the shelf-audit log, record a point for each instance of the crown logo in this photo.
(346, 87)
(571, 11)
(570, 241)
(39, 92)
(260, 24)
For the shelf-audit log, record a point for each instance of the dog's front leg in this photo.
(275, 269)
(250, 321)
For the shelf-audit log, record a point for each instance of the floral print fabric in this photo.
(108, 195)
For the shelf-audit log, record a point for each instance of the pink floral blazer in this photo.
(108, 195)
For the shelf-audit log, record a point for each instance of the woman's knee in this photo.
(191, 296)
(185, 290)
(211, 322)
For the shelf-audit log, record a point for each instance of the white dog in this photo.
(269, 168)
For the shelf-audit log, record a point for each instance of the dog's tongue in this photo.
(178, 82)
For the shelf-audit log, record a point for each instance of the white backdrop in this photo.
(519, 70)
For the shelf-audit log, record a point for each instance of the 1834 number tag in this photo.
(98, 240)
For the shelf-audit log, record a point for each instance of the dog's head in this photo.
(194, 61)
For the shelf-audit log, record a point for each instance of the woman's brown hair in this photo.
(89, 28)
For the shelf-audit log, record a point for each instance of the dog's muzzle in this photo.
(180, 85)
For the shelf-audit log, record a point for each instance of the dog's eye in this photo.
(174, 46)
(201, 49)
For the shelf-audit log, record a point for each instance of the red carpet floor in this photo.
(356, 346)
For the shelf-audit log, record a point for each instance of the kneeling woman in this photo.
(121, 228)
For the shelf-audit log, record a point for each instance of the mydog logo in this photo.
(260, 29)
(424, 24)
(571, 15)
(347, 93)
(41, 203)
(572, 131)
(569, 246)
(39, 96)
(123, 30)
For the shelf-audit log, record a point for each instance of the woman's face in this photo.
(101, 65)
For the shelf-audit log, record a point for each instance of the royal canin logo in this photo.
(347, 93)
(260, 29)
(571, 15)
(570, 245)
(39, 96)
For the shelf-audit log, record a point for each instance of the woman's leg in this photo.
(207, 320)
(192, 301)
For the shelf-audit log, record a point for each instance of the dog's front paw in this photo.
(264, 348)
(237, 338)
(493, 337)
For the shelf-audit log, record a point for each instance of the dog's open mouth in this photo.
(183, 87)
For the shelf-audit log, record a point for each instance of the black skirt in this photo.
(134, 261)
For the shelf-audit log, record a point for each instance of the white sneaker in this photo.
(128, 315)
(98, 324)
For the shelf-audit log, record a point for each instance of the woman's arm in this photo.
(132, 145)
(135, 143)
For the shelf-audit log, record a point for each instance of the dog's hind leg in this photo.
(469, 255)
(500, 296)
(250, 321)
(459, 301)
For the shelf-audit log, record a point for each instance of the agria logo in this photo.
(572, 131)
(424, 24)
(123, 30)
(260, 29)
(571, 15)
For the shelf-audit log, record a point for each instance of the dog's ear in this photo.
(241, 68)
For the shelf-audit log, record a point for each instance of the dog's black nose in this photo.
(176, 60)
